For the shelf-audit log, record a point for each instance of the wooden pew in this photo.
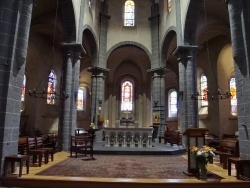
(40, 145)
(228, 148)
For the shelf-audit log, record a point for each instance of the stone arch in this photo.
(90, 45)
(129, 43)
(166, 44)
(68, 20)
(191, 21)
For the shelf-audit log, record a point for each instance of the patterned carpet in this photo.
(121, 166)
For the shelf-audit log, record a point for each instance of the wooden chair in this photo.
(22, 145)
(50, 140)
(40, 145)
(32, 150)
(172, 137)
(81, 142)
(228, 148)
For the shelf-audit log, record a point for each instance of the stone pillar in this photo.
(155, 60)
(14, 34)
(97, 97)
(158, 98)
(239, 13)
(188, 108)
(67, 124)
(104, 17)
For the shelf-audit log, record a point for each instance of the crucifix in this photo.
(127, 112)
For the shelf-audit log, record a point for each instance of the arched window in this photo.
(129, 13)
(23, 93)
(81, 99)
(169, 6)
(23, 89)
(233, 96)
(90, 3)
(172, 103)
(51, 88)
(127, 96)
(204, 90)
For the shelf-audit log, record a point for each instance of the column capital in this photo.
(74, 47)
(186, 49)
(98, 70)
(159, 70)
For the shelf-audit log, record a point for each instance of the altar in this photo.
(128, 137)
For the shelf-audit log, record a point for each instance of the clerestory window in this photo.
(129, 14)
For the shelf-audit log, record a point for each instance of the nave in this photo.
(38, 181)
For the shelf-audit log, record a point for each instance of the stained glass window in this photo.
(81, 99)
(23, 89)
(23, 94)
(204, 90)
(172, 107)
(90, 3)
(51, 88)
(127, 96)
(233, 96)
(169, 6)
(129, 13)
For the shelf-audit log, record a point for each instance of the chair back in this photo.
(31, 144)
(39, 141)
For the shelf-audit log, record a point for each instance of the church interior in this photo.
(129, 72)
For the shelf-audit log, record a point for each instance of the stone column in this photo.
(67, 125)
(14, 34)
(188, 108)
(158, 98)
(104, 17)
(155, 60)
(97, 96)
(239, 13)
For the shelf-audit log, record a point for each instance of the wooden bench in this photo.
(16, 158)
(228, 148)
(40, 145)
(82, 142)
(32, 150)
(239, 163)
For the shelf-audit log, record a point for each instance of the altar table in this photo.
(128, 137)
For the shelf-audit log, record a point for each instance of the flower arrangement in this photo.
(203, 155)
(92, 126)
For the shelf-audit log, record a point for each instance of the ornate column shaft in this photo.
(97, 96)
(14, 35)
(68, 105)
(155, 60)
(239, 13)
(158, 99)
(188, 108)
(104, 17)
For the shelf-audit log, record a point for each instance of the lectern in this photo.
(195, 137)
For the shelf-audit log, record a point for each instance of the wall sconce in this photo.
(208, 96)
(44, 94)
